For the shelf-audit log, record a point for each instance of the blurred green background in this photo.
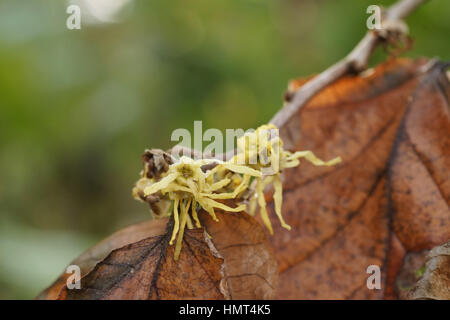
(78, 107)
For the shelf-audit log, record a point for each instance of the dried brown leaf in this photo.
(389, 196)
(137, 263)
(250, 268)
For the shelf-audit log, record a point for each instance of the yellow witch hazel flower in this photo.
(191, 184)
(263, 150)
(189, 187)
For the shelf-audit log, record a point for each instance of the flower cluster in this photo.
(190, 188)
(181, 187)
(263, 151)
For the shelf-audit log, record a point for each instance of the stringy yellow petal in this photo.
(252, 206)
(242, 186)
(220, 184)
(163, 183)
(206, 206)
(189, 222)
(275, 155)
(224, 207)
(262, 205)
(184, 217)
(230, 195)
(223, 196)
(177, 187)
(200, 176)
(176, 224)
(242, 169)
(193, 187)
(291, 163)
(278, 199)
(308, 155)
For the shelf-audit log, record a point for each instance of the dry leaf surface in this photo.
(388, 197)
(232, 260)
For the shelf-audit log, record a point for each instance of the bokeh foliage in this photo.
(78, 107)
